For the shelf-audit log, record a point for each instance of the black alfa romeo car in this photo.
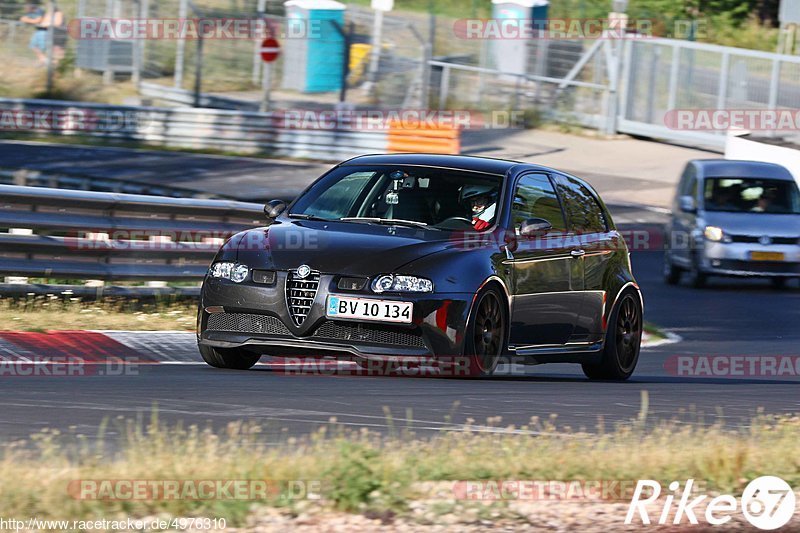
(429, 260)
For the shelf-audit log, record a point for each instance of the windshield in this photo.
(418, 196)
(752, 195)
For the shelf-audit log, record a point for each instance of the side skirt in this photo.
(570, 353)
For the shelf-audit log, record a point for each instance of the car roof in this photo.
(487, 165)
(456, 162)
(723, 168)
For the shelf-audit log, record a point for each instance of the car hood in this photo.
(755, 224)
(356, 249)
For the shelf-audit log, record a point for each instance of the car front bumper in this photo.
(735, 259)
(256, 317)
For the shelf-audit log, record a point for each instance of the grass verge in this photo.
(654, 333)
(53, 313)
(366, 473)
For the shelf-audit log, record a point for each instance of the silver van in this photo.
(734, 218)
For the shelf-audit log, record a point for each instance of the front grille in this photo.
(300, 295)
(247, 323)
(369, 334)
(773, 240)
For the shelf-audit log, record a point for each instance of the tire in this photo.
(672, 273)
(622, 343)
(486, 333)
(778, 283)
(697, 278)
(229, 358)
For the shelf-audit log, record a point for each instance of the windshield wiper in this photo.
(303, 216)
(386, 221)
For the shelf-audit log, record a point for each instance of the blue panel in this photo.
(325, 60)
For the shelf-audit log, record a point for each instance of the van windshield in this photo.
(752, 195)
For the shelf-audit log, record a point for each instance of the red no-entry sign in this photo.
(270, 49)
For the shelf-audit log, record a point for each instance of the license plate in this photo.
(767, 256)
(369, 309)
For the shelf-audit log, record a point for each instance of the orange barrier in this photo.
(405, 137)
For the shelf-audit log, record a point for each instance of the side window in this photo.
(535, 197)
(583, 211)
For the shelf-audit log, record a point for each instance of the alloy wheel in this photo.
(628, 333)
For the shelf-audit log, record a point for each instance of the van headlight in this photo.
(714, 234)
(397, 283)
(228, 270)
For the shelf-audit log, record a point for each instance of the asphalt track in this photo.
(726, 319)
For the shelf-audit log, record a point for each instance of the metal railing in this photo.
(85, 182)
(466, 86)
(631, 86)
(662, 75)
(67, 235)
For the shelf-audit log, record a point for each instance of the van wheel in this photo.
(778, 283)
(672, 273)
(697, 278)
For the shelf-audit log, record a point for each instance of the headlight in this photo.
(713, 233)
(395, 283)
(231, 271)
(239, 273)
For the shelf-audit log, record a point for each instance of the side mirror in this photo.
(687, 204)
(534, 226)
(274, 208)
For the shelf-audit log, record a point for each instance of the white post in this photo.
(266, 87)
(181, 48)
(375, 53)
(18, 280)
(261, 9)
(51, 8)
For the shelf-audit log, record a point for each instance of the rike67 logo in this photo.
(768, 503)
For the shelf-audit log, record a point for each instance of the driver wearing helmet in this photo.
(481, 201)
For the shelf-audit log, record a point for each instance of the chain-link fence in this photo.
(567, 79)
(628, 85)
(98, 63)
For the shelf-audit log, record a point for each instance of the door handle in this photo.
(578, 253)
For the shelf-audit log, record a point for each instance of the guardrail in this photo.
(65, 234)
(320, 135)
(59, 180)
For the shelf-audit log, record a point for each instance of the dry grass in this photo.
(53, 313)
(363, 472)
